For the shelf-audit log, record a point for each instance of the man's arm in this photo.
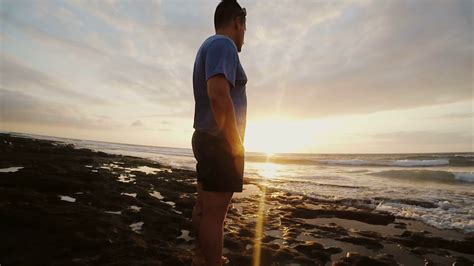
(218, 90)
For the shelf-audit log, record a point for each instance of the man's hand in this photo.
(237, 149)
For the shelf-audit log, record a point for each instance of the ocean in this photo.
(435, 188)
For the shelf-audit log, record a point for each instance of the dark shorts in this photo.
(216, 168)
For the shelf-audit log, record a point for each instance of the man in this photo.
(219, 120)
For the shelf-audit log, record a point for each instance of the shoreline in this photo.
(80, 207)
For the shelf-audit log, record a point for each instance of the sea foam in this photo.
(427, 175)
(403, 163)
(465, 176)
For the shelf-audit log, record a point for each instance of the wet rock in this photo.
(359, 260)
(245, 232)
(369, 234)
(400, 226)
(362, 216)
(422, 239)
(333, 250)
(57, 232)
(303, 260)
(313, 250)
(284, 254)
(366, 242)
(330, 231)
(237, 259)
(273, 246)
(80, 231)
(266, 255)
(268, 238)
(231, 244)
(461, 261)
(291, 233)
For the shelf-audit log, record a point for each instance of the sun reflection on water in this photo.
(259, 228)
(269, 170)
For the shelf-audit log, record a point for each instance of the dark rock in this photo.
(461, 261)
(56, 232)
(362, 216)
(359, 260)
(37, 226)
(366, 242)
(369, 234)
(237, 259)
(313, 250)
(231, 244)
(268, 238)
(303, 260)
(245, 232)
(284, 254)
(333, 250)
(266, 255)
(422, 239)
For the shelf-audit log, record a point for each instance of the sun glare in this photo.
(268, 170)
(280, 135)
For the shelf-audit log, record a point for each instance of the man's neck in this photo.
(227, 33)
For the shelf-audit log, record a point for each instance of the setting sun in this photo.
(277, 135)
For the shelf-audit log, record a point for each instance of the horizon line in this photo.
(156, 146)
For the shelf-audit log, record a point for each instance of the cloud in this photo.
(154, 83)
(415, 141)
(161, 125)
(39, 34)
(137, 123)
(18, 107)
(469, 115)
(18, 76)
(419, 138)
(309, 60)
(183, 113)
(134, 47)
(366, 57)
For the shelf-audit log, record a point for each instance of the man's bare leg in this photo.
(197, 212)
(211, 231)
(196, 221)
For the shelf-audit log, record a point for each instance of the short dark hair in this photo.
(226, 11)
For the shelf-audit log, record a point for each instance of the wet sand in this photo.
(69, 206)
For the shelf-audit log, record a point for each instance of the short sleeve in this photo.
(221, 58)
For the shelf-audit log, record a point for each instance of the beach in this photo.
(62, 204)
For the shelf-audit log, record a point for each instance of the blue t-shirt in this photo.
(218, 55)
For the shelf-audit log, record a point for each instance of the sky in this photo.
(335, 76)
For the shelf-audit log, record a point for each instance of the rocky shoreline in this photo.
(65, 206)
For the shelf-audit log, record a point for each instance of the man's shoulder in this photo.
(219, 42)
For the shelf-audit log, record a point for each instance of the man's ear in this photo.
(238, 23)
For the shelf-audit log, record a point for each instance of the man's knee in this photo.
(215, 210)
(216, 216)
(199, 195)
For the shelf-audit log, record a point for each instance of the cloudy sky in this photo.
(324, 76)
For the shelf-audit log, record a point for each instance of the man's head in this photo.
(229, 19)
